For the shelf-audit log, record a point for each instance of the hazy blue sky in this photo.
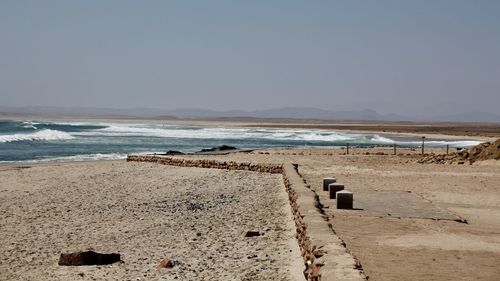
(393, 56)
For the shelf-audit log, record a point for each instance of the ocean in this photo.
(44, 141)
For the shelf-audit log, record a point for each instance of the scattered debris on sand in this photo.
(481, 152)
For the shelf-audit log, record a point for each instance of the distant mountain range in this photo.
(285, 112)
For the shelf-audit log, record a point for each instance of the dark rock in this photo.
(226, 147)
(319, 252)
(88, 258)
(170, 153)
(220, 148)
(251, 233)
(174, 152)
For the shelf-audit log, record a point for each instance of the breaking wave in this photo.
(43, 135)
(81, 157)
(170, 131)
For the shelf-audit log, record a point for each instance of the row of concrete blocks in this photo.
(344, 197)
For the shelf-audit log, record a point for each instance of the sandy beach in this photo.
(145, 212)
(410, 221)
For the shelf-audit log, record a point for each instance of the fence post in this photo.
(423, 144)
(394, 149)
(347, 148)
(447, 149)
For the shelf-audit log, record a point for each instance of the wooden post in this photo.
(394, 149)
(447, 149)
(348, 148)
(423, 143)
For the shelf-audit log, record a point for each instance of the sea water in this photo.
(43, 141)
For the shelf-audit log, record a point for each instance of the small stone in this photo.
(319, 252)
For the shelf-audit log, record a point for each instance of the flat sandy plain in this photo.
(145, 212)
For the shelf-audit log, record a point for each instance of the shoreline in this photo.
(297, 148)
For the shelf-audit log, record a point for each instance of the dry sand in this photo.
(108, 214)
(145, 212)
(391, 248)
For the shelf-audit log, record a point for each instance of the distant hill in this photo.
(285, 112)
(81, 112)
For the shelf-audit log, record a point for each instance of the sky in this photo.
(402, 57)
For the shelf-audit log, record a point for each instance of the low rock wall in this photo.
(206, 163)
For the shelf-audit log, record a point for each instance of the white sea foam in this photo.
(36, 136)
(82, 157)
(30, 125)
(382, 140)
(117, 130)
(88, 157)
(170, 132)
(441, 143)
(173, 131)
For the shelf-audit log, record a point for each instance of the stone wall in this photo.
(206, 163)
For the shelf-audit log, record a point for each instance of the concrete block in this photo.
(327, 181)
(344, 199)
(334, 188)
